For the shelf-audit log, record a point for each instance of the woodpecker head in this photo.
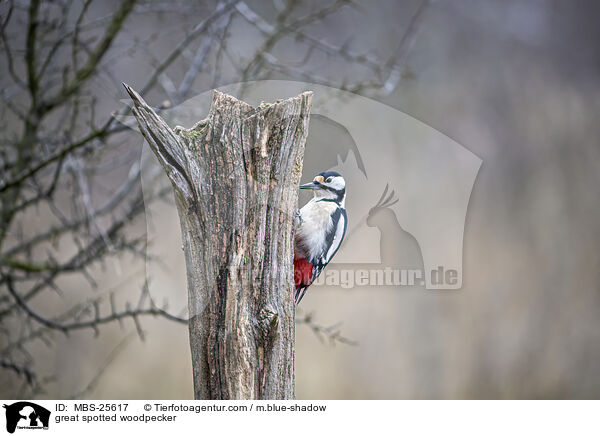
(328, 185)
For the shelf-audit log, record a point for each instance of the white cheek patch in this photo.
(337, 183)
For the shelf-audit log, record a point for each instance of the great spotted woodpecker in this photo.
(320, 229)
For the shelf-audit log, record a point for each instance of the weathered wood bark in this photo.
(235, 176)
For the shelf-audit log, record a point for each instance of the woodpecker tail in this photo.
(303, 273)
(300, 293)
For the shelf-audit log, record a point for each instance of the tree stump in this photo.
(235, 177)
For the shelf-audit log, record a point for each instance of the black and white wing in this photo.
(333, 240)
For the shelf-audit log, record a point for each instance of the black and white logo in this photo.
(26, 415)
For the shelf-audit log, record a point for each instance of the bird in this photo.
(320, 227)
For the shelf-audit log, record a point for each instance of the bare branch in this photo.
(20, 370)
(198, 30)
(99, 134)
(344, 51)
(396, 63)
(30, 55)
(332, 333)
(9, 56)
(89, 324)
(94, 59)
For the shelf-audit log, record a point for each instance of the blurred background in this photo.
(90, 308)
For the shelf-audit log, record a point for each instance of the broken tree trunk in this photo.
(235, 176)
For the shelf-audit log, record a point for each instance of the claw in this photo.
(297, 219)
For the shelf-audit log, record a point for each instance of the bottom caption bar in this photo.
(298, 417)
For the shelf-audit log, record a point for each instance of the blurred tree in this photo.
(61, 141)
(50, 158)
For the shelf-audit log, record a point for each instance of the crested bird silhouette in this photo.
(398, 248)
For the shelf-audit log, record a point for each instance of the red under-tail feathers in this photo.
(302, 272)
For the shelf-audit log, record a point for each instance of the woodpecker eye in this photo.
(329, 179)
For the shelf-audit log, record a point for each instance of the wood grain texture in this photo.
(235, 176)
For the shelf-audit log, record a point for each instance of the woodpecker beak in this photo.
(311, 186)
(315, 184)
